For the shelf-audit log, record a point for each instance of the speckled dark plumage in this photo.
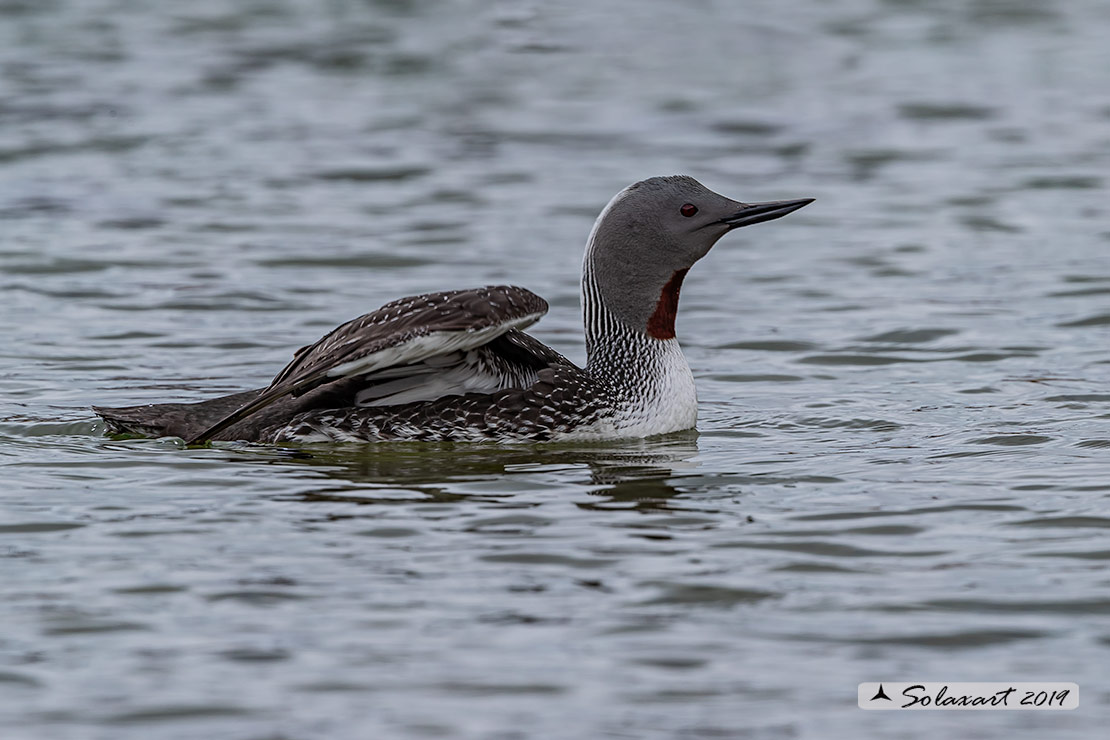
(562, 398)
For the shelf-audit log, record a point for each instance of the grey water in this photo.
(902, 465)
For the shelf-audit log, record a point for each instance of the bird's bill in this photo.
(757, 213)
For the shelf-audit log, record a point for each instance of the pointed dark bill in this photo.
(757, 213)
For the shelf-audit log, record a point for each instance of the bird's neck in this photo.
(636, 366)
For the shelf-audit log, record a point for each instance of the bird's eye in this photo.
(688, 210)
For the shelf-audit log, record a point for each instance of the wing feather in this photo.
(409, 331)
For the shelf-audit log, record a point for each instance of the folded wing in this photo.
(418, 348)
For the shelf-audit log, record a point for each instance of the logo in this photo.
(880, 694)
(973, 696)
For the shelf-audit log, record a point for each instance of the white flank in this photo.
(669, 403)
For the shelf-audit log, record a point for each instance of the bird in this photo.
(457, 366)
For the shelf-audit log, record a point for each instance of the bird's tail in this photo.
(183, 420)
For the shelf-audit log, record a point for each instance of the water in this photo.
(901, 471)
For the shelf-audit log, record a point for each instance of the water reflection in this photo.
(630, 474)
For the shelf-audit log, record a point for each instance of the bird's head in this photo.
(651, 233)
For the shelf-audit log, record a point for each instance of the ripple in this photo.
(1102, 319)
(11, 678)
(83, 627)
(945, 112)
(539, 558)
(36, 527)
(832, 516)
(389, 532)
(495, 689)
(990, 356)
(747, 127)
(955, 640)
(761, 479)
(373, 174)
(881, 529)
(336, 686)
(365, 259)
(769, 346)
(959, 455)
(671, 662)
(96, 144)
(1095, 522)
(982, 222)
(991, 13)
(126, 335)
(223, 303)
(140, 533)
(814, 568)
(133, 223)
(877, 425)
(670, 522)
(866, 163)
(507, 617)
(705, 594)
(510, 524)
(911, 336)
(1063, 182)
(255, 655)
(176, 713)
(765, 378)
(152, 588)
(34, 205)
(1077, 554)
(1012, 440)
(57, 266)
(986, 606)
(832, 549)
(861, 360)
(1079, 292)
(256, 598)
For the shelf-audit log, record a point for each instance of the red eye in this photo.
(688, 210)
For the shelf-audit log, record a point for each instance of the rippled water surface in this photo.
(903, 458)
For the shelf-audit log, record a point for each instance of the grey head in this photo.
(651, 233)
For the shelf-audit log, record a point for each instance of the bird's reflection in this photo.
(634, 474)
(628, 487)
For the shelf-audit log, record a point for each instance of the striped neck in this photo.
(623, 358)
(646, 380)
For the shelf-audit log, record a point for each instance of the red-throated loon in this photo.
(457, 366)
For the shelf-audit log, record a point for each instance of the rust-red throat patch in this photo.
(661, 323)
